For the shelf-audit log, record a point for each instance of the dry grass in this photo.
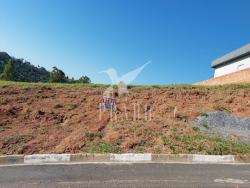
(64, 118)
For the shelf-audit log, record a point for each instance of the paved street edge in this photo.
(126, 157)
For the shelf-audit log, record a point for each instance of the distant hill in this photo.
(24, 70)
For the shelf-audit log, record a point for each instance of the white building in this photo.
(234, 61)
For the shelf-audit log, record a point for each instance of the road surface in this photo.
(111, 175)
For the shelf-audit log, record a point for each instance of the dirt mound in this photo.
(44, 119)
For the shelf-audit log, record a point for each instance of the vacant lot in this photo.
(59, 118)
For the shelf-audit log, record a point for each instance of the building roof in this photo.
(236, 54)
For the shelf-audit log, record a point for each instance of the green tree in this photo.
(8, 72)
(57, 75)
(84, 79)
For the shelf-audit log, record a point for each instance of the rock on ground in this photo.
(224, 125)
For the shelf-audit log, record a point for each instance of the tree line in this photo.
(58, 76)
(13, 69)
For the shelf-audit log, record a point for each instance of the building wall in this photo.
(239, 77)
(233, 67)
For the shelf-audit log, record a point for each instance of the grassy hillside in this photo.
(58, 118)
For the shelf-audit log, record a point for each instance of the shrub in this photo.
(8, 72)
(57, 76)
(84, 79)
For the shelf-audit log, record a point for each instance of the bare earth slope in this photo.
(47, 119)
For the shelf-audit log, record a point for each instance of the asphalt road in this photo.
(125, 175)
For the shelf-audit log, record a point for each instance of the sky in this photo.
(84, 37)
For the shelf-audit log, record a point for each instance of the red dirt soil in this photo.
(42, 119)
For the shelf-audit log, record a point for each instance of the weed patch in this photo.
(92, 135)
(4, 101)
(58, 106)
(204, 114)
(104, 148)
(221, 108)
(18, 143)
(199, 143)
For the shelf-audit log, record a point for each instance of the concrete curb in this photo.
(126, 157)
(131, 157)
(46, 158)
(12, 159)
(213, 159)
(87, 157)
